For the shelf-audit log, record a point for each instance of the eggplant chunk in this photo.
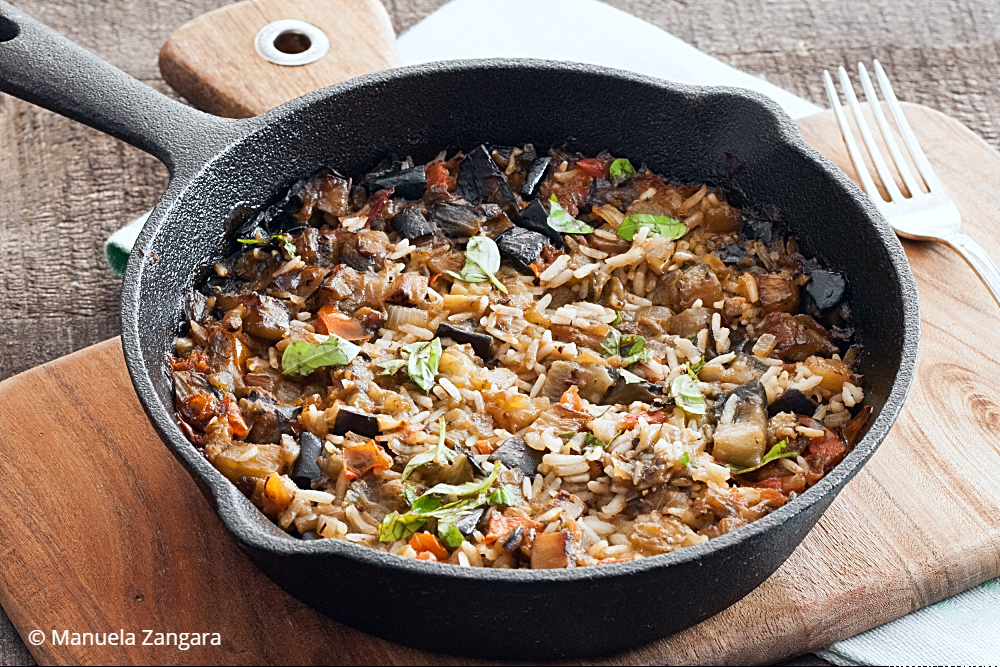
(480, 181)
(794, 401)
(456, 220)
(537, 170)
(515, 454)
(352, 421)
(411, 224)
(826, 288)
(480, 342)
(625, 393)
(468, 523)
(408, 183)
(592, 379)
(741, 435)
(521, 246)
(743, 369)
(267, 420)
(536, 219)
(549, 550)
(306, 469)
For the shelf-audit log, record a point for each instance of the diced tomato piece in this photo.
(485, 447)
(772, 483)
(631, 420)
(438, 175)
(359, 459)
(572, 399)
(595, 167)
(378, 202)
(422, 542)
(428, 556)
(235, 417)
(329, 320)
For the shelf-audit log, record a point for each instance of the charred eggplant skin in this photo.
(515, 453)
(521, 246)
(408, 183)
(537, 170)
(352, 421)
(480, 181)
(480, 342)
(793, 401)
(306, 469)
(411, 224)
(535, 218)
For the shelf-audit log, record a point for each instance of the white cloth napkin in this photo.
(964, 629)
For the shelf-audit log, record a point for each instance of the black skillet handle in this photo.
(40, 66)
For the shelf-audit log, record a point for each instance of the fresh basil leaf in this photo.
(630, 378)
(391, 366)
(661, 225)
(617, 320)
(409, 495)
(440, 454)
(449, 534)
(775, 453)
(563, 222)
(502, 496)
(467, 489)
(302, 358)
(685, 459)
(425, 505)
(422, 364)
(621, 170)
(686, 394)
(694, 370)
(482, 261)
(398, 526)
(612, 345)
(593, 442)
(283, 239)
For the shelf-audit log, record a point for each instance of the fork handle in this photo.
(977, 258)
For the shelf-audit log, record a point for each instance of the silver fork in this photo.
(930, 216)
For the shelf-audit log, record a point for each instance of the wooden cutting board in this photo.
(101, 530)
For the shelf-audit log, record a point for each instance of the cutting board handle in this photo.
(213, 62)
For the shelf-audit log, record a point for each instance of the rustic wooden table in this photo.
(64, 187)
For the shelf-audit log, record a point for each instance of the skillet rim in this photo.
(233, 508)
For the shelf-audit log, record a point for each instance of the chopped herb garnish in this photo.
(775, 453)
(617, 320)
(391, 366)
(631, 349)
(439, 454)
(593, 442)
(422, 365)
(621, 170)
(685, 459)
(482, 261)
(409, 495)
(283, 239)
(630, 378)
(661, 225)
(694, 370)
(398, 526)
(302, 358)
(502, 496)
(567, 434)
(563, 222)
(685, 392)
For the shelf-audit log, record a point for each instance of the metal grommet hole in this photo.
(8, 30)
(291, 43)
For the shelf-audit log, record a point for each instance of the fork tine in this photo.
(880, 166)
(852, 147)
(923, 166)
(890, 140)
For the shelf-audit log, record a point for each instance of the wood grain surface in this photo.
(64, 188)
(212, 59)
(105, 530)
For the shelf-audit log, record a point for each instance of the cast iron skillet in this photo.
(222, 170)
